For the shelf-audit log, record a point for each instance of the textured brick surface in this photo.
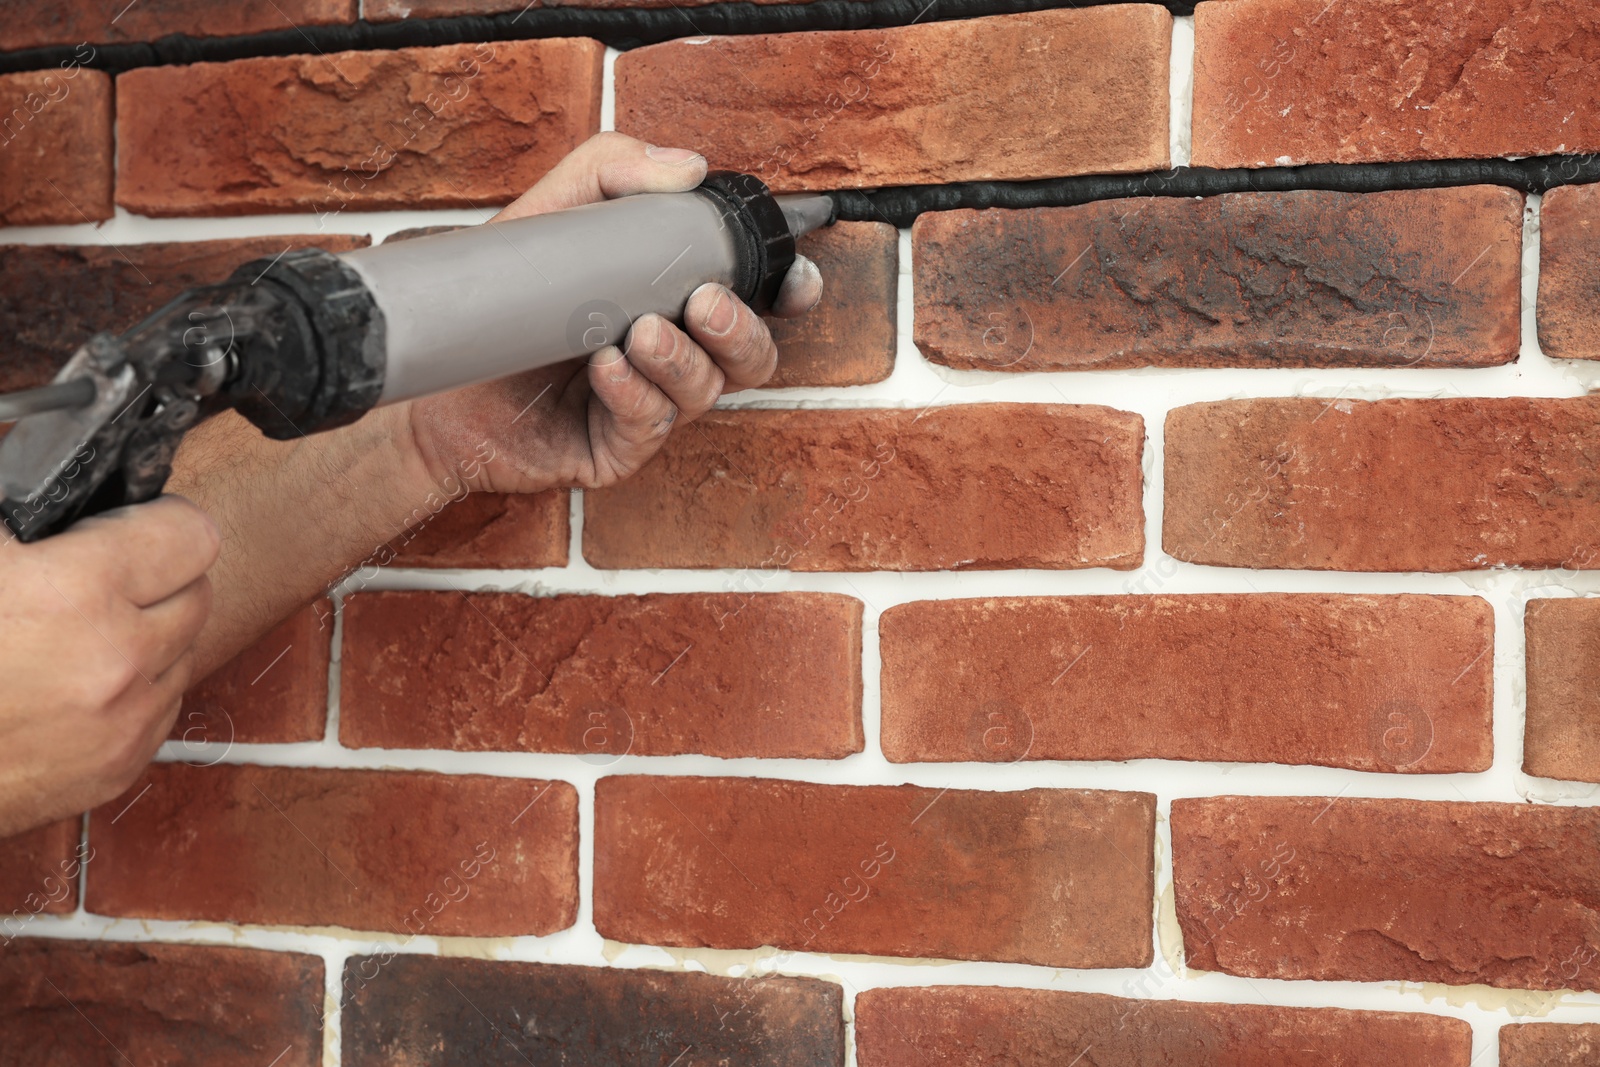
(973, 486)
(848, 338)
(38, 874)
(1060, 877)
(55, 297)
(414, 1009)
(395, 851)
(719, 674)
(1562, 738)
(948, 1025)
(1392, 485)
(1549, 1044)
(1290, 82)
(1427, 277)
(1350, 889)
(492, 530)
(453, 126)
(1008, 97)
(1569, 273)
(55, 147)
(1375, 683)
(273, 692)
(73, 1002)
(24, 24)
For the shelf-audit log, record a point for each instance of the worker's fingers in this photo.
(635, 416)
(732, 335)
(147, 552)
(165, 630)
(802, 288)
(681, 369)
(609, 165)
(140, 718)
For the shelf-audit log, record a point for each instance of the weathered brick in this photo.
(1013, 96)
(719, 674)
(1562, 732)
(55, 146)
(73, 22)
(1549, 1044)
(1289, 81)
(1047, 1028)
(55, 297)
(1374, 683)
(406, 1008)
(394, 851)
(492, 530)
(1569, 273)
(1351, 889)
(78, 1002)
(38, 875)
(1427, 277)
(848, 338)
(966, 487)
(1060, 877)
(274, 692)
(453, 126)
(1388, 485)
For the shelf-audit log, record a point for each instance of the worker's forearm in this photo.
(295, 515)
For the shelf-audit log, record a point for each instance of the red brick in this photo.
(1562, 738)
(393, 851)
(1549, 1044)
(1373, 683)
(1060, 877)
(966, 487)
(1569, 273)
(55, 147)
(1046, 1028)
(492, 530)
(414, 1009)
(72, 22)
(55, 297)
(77, 1002)
(1388, 485)
(848, 338)
(1427, 277)
(1277, 83)
(1349, 889)
(1013, 96)
(38, 875)
(774, 675)
(412, 128)
(275, 691)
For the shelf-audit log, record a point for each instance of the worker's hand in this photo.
(97, 624)
(592, 423)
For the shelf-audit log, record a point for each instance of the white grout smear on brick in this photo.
(1180, 84)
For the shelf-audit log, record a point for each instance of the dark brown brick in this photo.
(55, 147)
(405, 1009)
(55, 297)
(39, 875)
(73, 1002)
(966, 487)
(491, 531)
(1389, 485)
(1549, 1044)
(1374, 683)
(1562, 732)
(1427, 277)
(274, 692)
(1569, 273)
(1350, 889)
(773, 675)
(1045, 1028)
(849, 338)
(453, 126)
(1060, 877)
(393, 851)
(1013, 96)
(1291, 81)
(72, 22)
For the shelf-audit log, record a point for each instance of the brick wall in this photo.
(1147, 631)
